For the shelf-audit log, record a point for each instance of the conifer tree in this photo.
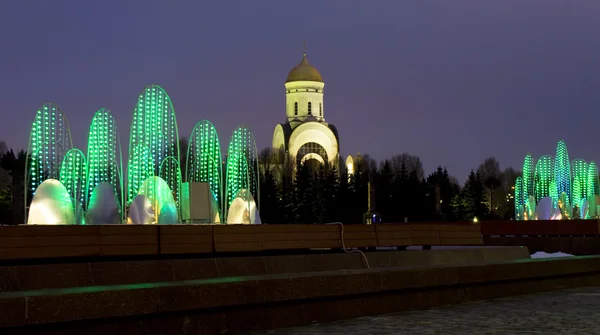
(384, 193)
(448, 190)
(286, 190)
(342, 203)
(470, 202)
(304, 191)
(15, 165)
(401, 192)
(331, 184)
(358, 192)
(318, 204)
(269, 202)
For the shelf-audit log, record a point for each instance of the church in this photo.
(306, 135)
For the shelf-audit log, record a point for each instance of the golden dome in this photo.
(304, 72)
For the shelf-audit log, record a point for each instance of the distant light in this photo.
(475, 220)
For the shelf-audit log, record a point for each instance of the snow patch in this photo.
(541, 254)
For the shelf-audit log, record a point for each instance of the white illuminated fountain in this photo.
(103, 206)
(243, 209)
(161, 199)
(544, 209)
(140, 211)
(51, 205)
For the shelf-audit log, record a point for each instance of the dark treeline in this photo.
(402, 191)
(295, 193)
(12, 179)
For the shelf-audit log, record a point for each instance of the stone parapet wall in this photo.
(36, 242)
(24, 277)
(239, 305)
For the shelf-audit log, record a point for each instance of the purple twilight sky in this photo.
(451, 81)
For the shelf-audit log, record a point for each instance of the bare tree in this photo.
(281, 164)
(411, 162)
(490, 174)
(454, 182)
(268, 159)
(367, 165)
(508, 179)
(5, 177)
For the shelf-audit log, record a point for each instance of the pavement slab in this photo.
(573, 312)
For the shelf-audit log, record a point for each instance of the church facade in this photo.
(306, 135)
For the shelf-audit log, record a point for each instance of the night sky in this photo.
(450, 81)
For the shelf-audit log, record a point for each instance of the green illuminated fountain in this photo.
(49, 142)
(139, 168)
(543, 176)
(153, 144)
(242, 166)
(562, 170)
(204, 159)
(528, 184)
(592, 180)
(579, 190)
(566, 189)
(592, 190)
(105, 163)
(74, 183)
(73, 176)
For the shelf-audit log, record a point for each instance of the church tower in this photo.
(305, 134)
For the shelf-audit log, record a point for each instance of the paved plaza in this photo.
(570, 312)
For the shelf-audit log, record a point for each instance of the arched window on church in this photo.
(296, 108)
(309, 108)
(320, 109)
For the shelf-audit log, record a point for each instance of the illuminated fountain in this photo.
(162, 202)
(204, 165)
(543, 177)
(562, 171)
(242, 186)
(104, 188)
(51, 205)
(93, 184)
(49, 142)
(579, 188)
(154, 148)
(141, 211)
(103, 207)
(73, 172)
(243, 209)
(592, 190)
(558, 188)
